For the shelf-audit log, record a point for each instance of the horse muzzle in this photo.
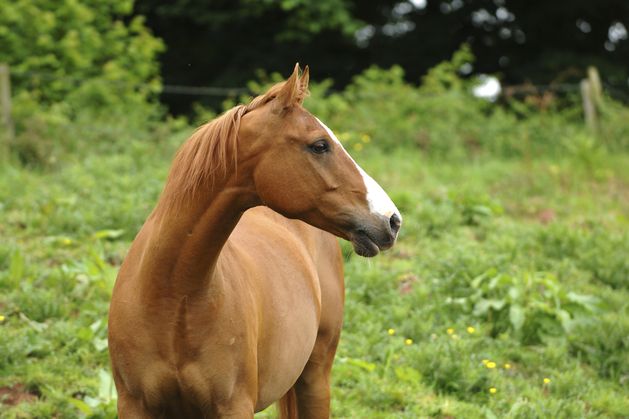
(369, 239)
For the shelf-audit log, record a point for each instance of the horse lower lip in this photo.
(364, 245)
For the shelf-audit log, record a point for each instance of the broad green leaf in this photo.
(483, 306)
(587, 301)
(565, 319)
(81, 405)
(106, 388)
(516, 316)
(100, 344)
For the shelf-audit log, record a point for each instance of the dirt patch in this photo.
(406, 283)
(16, 394)
(546, 216)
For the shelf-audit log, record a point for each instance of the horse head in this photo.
(301, 170)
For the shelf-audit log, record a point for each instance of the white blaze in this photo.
(378, 200)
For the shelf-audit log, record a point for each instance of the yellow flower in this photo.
(66, 241)
(408, 341)
(546, 380)
(391, 332)
(358, 146)
(455, 336)
(470, 330)
(450, 331)
(492, 390)
(491, 365)
(365, 137)
(507, 366)
(485, 361)
(2, 318)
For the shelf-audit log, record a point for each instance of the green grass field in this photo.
(507, 294)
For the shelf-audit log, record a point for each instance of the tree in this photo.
(90, 52)
(223, 43)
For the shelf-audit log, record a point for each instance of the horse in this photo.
(231, 295)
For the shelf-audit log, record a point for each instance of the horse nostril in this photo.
(395, 223)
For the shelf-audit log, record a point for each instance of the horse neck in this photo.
(184, 242)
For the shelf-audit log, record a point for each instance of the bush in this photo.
(533, 305)
(76, 61)
(81, 52)
(445, 120)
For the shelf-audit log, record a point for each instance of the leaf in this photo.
(408, 374)
(565, 319)
(514, 293)
(516, 316)
(483, 306)
(482, 210)
(100, 344)
(489, 414)
(81, 405)
(107, 234)
(59, 240)
(367, 366)
(476, 282)
(587, 301)
(106, 389)
(16, 267)
(96, 325)
(37, 326)
(92, 402)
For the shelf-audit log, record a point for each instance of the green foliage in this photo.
(541, 293)
(534, 305)
(495, 251)
(77, 66)
(65, 242)
(444, 77)
(442, 118)
(308, 18)
(598, 252)
(82, 52)
(604, 344)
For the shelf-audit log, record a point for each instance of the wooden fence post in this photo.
(596, 88)
(589, 109)
(6, 121)
(592, 95)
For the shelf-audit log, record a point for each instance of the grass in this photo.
(506, 296)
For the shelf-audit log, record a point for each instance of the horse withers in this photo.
(231, 296)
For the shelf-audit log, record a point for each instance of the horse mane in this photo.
(211, 150)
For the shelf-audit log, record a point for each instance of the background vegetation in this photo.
(550, 43)
(506, 296)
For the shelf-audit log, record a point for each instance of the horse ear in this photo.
(303, 81)
(289, 94)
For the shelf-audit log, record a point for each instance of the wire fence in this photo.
(173, 89)
(590, 89)
(37, 77)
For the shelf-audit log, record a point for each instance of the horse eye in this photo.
(319, 147)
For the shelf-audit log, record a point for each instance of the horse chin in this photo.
(364, 246)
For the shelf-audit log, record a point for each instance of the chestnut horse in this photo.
(220, 308)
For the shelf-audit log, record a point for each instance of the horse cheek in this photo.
(282, 189)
